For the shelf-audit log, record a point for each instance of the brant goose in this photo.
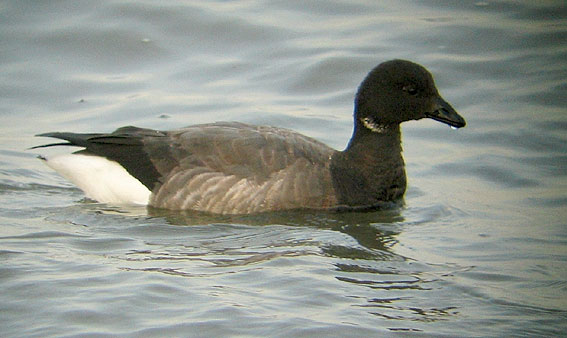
(235, 168)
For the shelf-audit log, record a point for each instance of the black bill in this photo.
(443, 112)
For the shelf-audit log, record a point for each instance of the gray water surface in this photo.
(478, 249)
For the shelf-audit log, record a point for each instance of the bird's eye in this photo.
(410, 89)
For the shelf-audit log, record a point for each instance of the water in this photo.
(478, 249)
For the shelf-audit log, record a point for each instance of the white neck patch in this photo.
(373, 126)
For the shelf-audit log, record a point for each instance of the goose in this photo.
(237, 168)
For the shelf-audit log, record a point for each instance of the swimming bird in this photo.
(236, 168)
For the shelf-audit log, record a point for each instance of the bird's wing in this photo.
(237, 168)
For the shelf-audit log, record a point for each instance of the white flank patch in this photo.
(101, 179)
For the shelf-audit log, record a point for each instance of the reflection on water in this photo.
(361, 226)
(478, 248)
(359, 243)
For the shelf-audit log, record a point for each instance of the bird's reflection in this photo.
(371, 229)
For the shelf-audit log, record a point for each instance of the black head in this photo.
(397, 91)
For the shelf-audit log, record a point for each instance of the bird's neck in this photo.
(371, 169)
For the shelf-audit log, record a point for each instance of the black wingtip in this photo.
(52, 145)
(72, 139)
(50, 134)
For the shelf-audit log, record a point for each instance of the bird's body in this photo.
(235, 168)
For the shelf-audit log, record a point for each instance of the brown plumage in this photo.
(236, 168)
